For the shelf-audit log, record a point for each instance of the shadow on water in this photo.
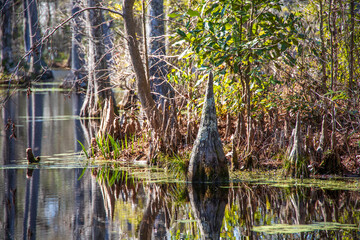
(57, 198)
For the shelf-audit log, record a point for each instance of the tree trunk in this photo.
(324, 138)
(36, 64)
(6, 35)
(247, 83)
(143, 87)
(166, 132)
(157, 65)
(99, 87)
(26, 29)
(108, 41)
(323, 52)
(333, 118)
(77, 56)
(163, 92)
(297, 157)
(207, 160)
(351, 51)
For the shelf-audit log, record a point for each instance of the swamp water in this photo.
(67, 197)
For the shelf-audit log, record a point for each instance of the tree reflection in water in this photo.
(142, 209)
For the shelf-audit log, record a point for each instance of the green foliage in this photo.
(84, 149)
(239, 40)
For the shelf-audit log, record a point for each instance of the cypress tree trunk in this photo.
(6, 35)
(157, 66)
(99, 87)
(143, 88)
(34, 36)
(32, 40)
(351, 50)
(26, 29)
(77, 56)
(207, 160)
(297, 157)
(163, 93)
(165, 129)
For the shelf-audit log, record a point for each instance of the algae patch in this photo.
(290, 229)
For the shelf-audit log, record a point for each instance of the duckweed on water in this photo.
(274, 178)
(290, 229)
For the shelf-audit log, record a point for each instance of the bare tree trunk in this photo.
(36, 64)
(157, 65)
(323, 51)
(298, 159)
(26, 29)
(163, 93)
(77, 55)
(6, 58)
(332, 75)
(152, 113)
(351, 50)
(247, 84)
(207, 160)
(99, 87)
(10, 175)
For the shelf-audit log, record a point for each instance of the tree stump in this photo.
(30, 156)
(207, 159)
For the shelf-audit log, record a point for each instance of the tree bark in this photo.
(99, 87)
(143, 88)
(351, 51)
(323, 52)
(157, 66)
(26, 29)
(36, 64)
(166, 131)
(207, 160)
(77, 56)
(6, 35)
(297, 157)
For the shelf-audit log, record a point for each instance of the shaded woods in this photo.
(285, 75)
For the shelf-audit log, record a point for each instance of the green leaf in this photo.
(83, 148)
(181, 33)
(193, 13)
(82, 173)
(174, 15)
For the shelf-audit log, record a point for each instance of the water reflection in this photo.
(9, 192)
(57, 199)
(46, 200)
(208, 205)
(181, 211)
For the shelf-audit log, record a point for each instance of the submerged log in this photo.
(207, 160)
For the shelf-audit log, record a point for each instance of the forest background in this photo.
(286, 75)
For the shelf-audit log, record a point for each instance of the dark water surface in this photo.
(53, 200)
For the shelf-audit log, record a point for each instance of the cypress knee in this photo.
(207, 160)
